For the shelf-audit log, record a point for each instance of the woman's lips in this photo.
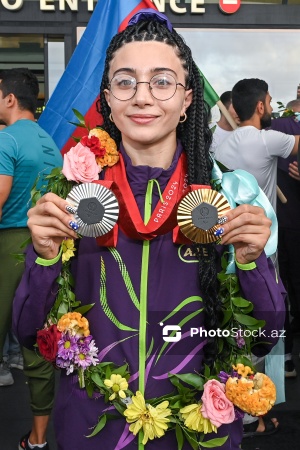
(142, 118)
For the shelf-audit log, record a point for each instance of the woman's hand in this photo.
(49, 223)
(248, 229)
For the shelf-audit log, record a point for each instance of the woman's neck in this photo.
(158, 155)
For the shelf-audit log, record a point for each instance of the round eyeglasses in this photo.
(162, 86)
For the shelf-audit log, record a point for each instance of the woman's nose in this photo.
(143, 93)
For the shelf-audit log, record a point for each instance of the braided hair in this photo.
(196, 138)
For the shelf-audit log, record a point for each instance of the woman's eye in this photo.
(125, 82)
(161, 82)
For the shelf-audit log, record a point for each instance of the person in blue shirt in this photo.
(26, 152)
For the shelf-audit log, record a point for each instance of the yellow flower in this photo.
(153, 420)
(194, 420)
(75, 323)
(68, 249)
(117, 384)
(242, 370)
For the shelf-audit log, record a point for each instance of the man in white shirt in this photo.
(222, 129)
(250, 147)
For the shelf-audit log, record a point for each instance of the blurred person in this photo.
(288, 215)
(26, 151)
(252, 148)
(222, 129)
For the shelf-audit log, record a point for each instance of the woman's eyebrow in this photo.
(163, 69)
(154, 70)
(124, 69)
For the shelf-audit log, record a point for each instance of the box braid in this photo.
(196, 139)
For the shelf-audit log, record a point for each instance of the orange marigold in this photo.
(112, 156)
(255, 396)
(75, 323)
(242, 370)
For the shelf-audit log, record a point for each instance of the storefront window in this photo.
(43, 56)
(227, 56)
(56, 63)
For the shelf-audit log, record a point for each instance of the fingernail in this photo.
(70, 209)
(74, 225)
(219, 231)
(222, 220)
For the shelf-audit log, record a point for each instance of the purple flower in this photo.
(84, 360)
(76, 352)
(67, 347)
(240, 341)
(223, 376)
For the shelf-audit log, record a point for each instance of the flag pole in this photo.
(227, 115)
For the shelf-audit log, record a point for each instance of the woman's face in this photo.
(143, 120)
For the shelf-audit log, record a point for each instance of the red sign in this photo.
(229, 6)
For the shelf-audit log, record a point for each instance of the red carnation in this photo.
(47, 340)
(94, 144)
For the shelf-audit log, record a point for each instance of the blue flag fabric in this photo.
(80, 83)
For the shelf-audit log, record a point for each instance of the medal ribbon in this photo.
(164, 217)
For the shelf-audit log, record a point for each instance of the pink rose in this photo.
(216, 407)
(80, 165)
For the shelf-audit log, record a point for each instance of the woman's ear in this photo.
(188, 98)
(107, 96)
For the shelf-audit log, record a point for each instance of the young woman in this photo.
(155, 130)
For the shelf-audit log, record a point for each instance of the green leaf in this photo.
(191, 378)
(240, 302)
(206, 371)
(190, 437)
(79, 116)
(63, 309)
(84, 309)
(100, 425)
(81, 125)
(119, 408)
(226, 317)
(96, 378)
(246, 320)
(179, 437)
(213, 443)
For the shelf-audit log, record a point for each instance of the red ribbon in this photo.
(164, 216)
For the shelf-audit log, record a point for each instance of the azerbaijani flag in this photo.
(79, 85)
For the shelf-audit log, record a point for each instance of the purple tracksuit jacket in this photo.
(111, 278)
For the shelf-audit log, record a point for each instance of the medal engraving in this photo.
(90, 210)
(198, 214)
(204, 216)
(96, 206)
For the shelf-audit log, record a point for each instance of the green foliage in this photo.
(54, 182)
(237, 316)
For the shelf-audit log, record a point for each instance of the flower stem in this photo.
(81, 377)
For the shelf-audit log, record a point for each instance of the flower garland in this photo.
(228, 389)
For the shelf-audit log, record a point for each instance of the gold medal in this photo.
(198, 213)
